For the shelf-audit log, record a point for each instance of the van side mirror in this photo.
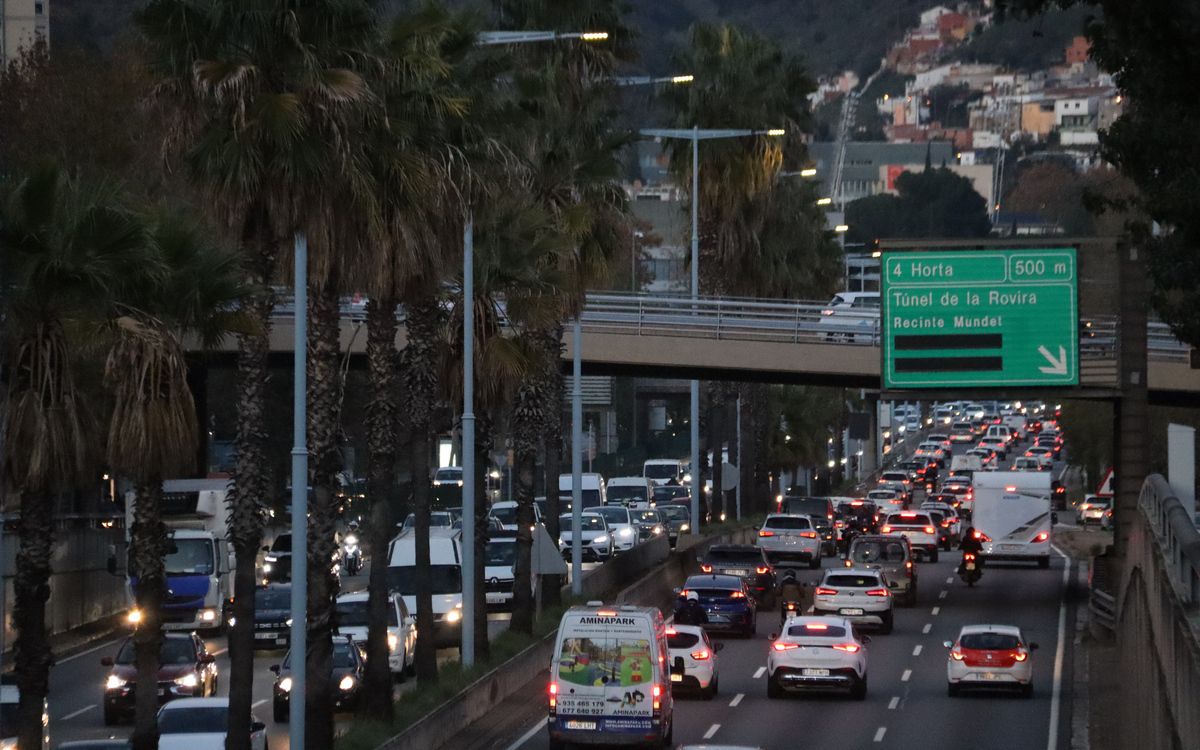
(948, 644)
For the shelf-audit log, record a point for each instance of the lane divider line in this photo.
(943, 594)
(94, 649)
(1056, 695)
(711, 731)
(925, 630)
(935, 611)
(80, 712)
(907, 674)
(258, 703)
(950, 579)
(917, 649)
(736, 700)
(895, 701)
(879, 734)
(539, 726)
(761, 671)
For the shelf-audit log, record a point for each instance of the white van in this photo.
(1002, 431)
(1012, 515)
(445, 565)
(632, 492)
(610, 680)
(593, 489)
(965, 465)
(663, 470)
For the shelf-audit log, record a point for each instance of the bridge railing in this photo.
(1177, 536)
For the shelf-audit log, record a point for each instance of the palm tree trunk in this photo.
(251, 484)
(483, 449)
(552, 426)
(715, 435)
(761, 499)
(324, 395)
(31, 587)
(381, 480)
(148, 547)
(748, 455)
(528, 408)
(420, 375)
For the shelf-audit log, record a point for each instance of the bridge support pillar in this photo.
(869, 460)
(1131, 423)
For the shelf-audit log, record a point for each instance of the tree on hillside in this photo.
(931, 203)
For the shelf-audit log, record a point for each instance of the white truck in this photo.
(445, 580)
(199, 561)
(1012, 515)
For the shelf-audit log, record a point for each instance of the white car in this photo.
(861, 595)
(448, 476)
(886, 499)
(353, 619)
(1027, 463)
(952, 522)
(594, 536)
(997, 445)
(693, 660)
(852, 316)
(817, 653)
(1043, 454)
(10, 696)
(621, 526)
(918, 528)
(1092, 509)
(505, 512)
(786, 539)
(990, 656)
(200, 724)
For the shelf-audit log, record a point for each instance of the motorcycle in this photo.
(789, 608)
(351, 555)
(971, 569)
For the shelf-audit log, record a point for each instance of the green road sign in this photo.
(980, 318)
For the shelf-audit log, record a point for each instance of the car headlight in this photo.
(453, 615)
(346, 683)
(270, 559)
(393, 642)
(350, 539)
(208, 615)
(134, 616)
(188, 680)
(684, 527)
(625, 531)
(602, 539)
(267, 567)
(286, 684)
(232, 621)
(114, 683)
(288, 622)
(657, 529)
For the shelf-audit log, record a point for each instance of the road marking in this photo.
(539, 726)
(917, 650)
(1056, 696)
(256, 704)
(895, 701)
(928, 626)
(879, 734)
(943, 594)
(218, 652)
(80, 712)
(950, 579)
(736, 700)
(711, 731)
(935, 611)
(760, 672)
(92, 650)
(904, 677)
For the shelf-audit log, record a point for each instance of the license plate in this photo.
(990, 675)
(970, 566)
(1011, 546)
(718, 618)
(850, 611)
(676, 678)
(585, 725)
(737, 572)
(815, 672)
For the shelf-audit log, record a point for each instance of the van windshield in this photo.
(591, 498)
(806, 506)
(506, 516)
(190, 557)
(354, 614)
(444, 579)
(627, 494)
(661, 471)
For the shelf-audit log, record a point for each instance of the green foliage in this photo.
(931, 203)
(800, 417)
(1026, 44)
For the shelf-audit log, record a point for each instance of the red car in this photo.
(186, 670)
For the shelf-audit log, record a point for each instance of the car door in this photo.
(408, 630)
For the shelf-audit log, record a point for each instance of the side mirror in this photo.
(948, 644)
(106, 661)
(865, 639)
(677, 590)
(1033, 647)
(257, 726)
(274, 668)
(266, 548)
(718, 646)
(772, 636)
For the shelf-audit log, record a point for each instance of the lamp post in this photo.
(651, 80)
(299, 636)
(695, 135)
(491, 38)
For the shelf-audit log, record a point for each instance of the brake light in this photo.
(736, 595)
(849, 648)
(606, 612)
(766, 532)
(672, 631)
(762, 570)
(908, 564)
(908, 515)
(1042, 536)
(930, 530)
(553, 695)
(839, 524)
(982, 536)
(684, 594)
(879, 592)
(705, 568)
(885, 530)
(822, 591)
(808, 534)
(1021, 655)
(816, 626)
(657, 692)
(956, 654)
(1010, 488)
(701, 655)
(784, 646)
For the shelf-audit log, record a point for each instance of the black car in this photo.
(727, 600)
(853, 519)
(273, 616)
(744, 561)
(349, 664)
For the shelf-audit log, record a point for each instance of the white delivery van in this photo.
(445, 566)
(1012, 515)
(965, 465)
(610, 680)
(663, 470)
(632, 492)
(592, 486)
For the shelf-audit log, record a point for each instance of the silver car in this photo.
(787, 539)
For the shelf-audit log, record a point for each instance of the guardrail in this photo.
(1177, 536)
(1103, 609)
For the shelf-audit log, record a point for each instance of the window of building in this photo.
(38, 8)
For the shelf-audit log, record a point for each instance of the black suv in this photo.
(744, 561)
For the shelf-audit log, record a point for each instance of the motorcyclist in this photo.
(790, 590)
(970, 544)
(691, 613)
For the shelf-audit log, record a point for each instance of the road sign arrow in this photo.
(1057, 366)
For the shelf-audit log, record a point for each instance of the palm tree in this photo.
(261, 96)
(66, 252)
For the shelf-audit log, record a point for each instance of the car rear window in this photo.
(874, 552)
(881, 494)
(851, 580)
(789, 522)
(989, 641)
(713, 593)
(806, 506)
(732, 555)
(817, 630)
(682, 640)
(916, 519)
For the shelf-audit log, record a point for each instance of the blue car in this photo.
(729, 604)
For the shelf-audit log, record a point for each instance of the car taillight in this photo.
(1042, 536)
(736, 595)
(908, 564)
(1020, 655)
(885, 530)
(808, 534)
(701, 655)
(766, 532)
(822, 591)
(849, 648)
(879, 592)
(784, 646)
(684, 594)
(657, 692)
(956, 654)
(982, 536)
(553, 695)
(839, 524)
(705, 568)
(762, 570)
(930, 530)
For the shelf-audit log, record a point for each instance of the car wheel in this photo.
(859, 691)
(933, 555)
(280, 712)
(815, 563)
(710, 692)
(888, 622)
(952, 690)
(1027, 690)
(773, 689)
(111, 718)
(1044, 562)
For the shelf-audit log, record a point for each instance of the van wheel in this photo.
(952, 690)
(669, 740)
(773, 689)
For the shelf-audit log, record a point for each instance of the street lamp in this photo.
(652, 80)
(488, 38)
(824, 201)
(695, 135)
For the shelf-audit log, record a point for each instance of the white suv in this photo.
(787, 538)
(693, 660)
(860, 595)
(918, 528)
(817, 653)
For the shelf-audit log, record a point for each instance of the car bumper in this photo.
(984, 677)
(609, 730)
(272, 638)
(868, 617)
(783, 556)
(691, 682)
(793, 678)
(729, 621)
(122, 701)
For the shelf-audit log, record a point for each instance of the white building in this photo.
(21, 22)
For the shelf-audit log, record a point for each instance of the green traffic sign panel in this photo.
(991, 317)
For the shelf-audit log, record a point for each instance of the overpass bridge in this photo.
(779, 341)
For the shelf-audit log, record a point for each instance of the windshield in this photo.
(444, 579)
(614, 515)
(448, 475)
(441, 520)
(590, 523)
(681, 640)
(663, 494)
(661, 471)
(173, 651)
(647, 516)
(591, 498)
(989, 641)
(343, 657)
(194, 720)
(806, 506)
(621, 494)
(676, 513)
(788, 522)
(354, 614)
(877, 552)
(505, 515)
(753, 556)
(280, 598)
(282, 543)
(500, 553)
(190, 557)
